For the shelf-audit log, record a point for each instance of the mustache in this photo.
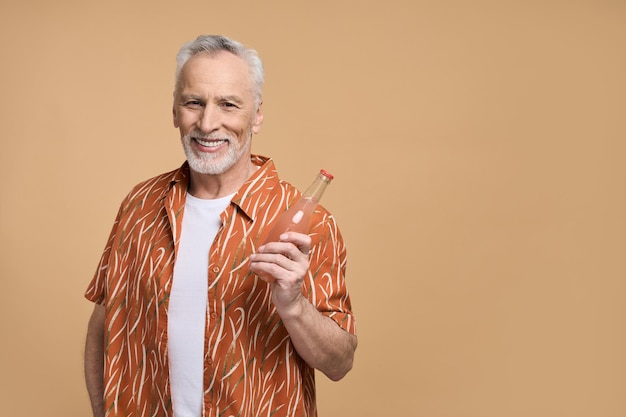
(206, 136)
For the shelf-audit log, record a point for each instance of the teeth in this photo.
(209, 143)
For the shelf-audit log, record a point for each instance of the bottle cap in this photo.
(326, 174)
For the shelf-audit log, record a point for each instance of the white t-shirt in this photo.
(188, 303)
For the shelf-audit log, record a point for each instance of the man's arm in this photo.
(317, 338)
(94, 360)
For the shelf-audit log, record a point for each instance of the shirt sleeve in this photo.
(326, 287)
(97, 289)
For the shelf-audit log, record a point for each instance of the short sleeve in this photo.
(326, 287)
(97, 289)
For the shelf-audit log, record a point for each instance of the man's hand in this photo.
(284, 265)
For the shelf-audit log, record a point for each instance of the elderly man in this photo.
(183, 324)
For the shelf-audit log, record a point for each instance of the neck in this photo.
(208, 186)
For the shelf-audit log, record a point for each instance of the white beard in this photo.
(213, 163)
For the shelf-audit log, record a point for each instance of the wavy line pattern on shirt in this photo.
(250, 367)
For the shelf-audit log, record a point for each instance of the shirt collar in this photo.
(265, 177)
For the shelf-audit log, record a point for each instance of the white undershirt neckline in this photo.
(188, 303)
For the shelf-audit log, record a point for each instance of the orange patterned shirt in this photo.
(250, 366)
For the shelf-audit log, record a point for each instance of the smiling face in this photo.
(216, 111)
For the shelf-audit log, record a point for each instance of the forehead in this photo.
(216, 73)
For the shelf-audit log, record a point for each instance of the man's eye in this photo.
(229, 105)
(192, 104)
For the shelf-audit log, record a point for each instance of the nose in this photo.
(209, 119)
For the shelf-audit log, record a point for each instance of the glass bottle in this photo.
(298, 216)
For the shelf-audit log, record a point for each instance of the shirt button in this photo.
(213, 316)
(216, 269)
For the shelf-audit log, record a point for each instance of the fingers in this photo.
(301, 241)
(300, 245)
(287, 260)
(275, 258)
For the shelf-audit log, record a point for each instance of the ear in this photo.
(258, 118)
(175, 116)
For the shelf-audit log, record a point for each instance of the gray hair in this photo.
(212, 44)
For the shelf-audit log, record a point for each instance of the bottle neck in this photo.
(316, 190)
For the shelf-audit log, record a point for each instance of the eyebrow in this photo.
(220, 99)
(234, 99)
(185, 97)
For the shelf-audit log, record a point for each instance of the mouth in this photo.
(209, 143)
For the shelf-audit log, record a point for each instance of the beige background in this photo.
(478, 149)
